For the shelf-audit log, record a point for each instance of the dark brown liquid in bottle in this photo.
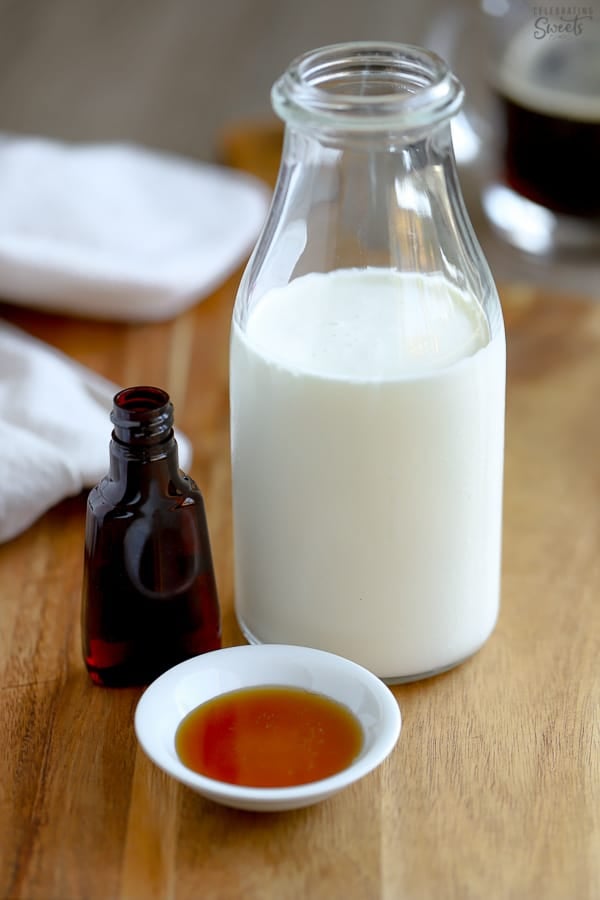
(552, 160)
(149, 593)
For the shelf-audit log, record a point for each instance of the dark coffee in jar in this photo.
(549, 107)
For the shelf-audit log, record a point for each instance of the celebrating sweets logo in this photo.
(556, 22)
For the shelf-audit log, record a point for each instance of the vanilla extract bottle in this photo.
(149, 591)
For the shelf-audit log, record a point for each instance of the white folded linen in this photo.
(54, 429)
(116, 231)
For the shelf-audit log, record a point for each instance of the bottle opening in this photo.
(138, 400)
(365, 85)
(142, 415)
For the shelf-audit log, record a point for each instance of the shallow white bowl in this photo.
(172, 696)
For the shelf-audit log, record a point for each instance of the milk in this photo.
(367, 446)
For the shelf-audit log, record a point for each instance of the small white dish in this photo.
(184, 687)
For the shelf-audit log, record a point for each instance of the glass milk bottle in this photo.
(367, 378)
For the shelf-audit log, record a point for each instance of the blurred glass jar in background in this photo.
(532, 119)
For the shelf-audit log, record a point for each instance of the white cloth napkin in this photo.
(116, 231)
(54, 429)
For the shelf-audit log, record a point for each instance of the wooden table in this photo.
(493, 790)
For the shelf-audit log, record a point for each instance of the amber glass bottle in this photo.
(149, 592)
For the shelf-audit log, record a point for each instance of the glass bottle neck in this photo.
(143, 451)
(144, 468)
(368, 178)
(382, 204)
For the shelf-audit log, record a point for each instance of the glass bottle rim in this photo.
(367, 86)
(142, 415)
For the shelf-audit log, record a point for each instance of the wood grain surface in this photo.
(493, 790)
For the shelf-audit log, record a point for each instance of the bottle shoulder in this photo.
(122, 498)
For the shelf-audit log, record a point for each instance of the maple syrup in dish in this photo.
(290, 676)
(269, 736)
